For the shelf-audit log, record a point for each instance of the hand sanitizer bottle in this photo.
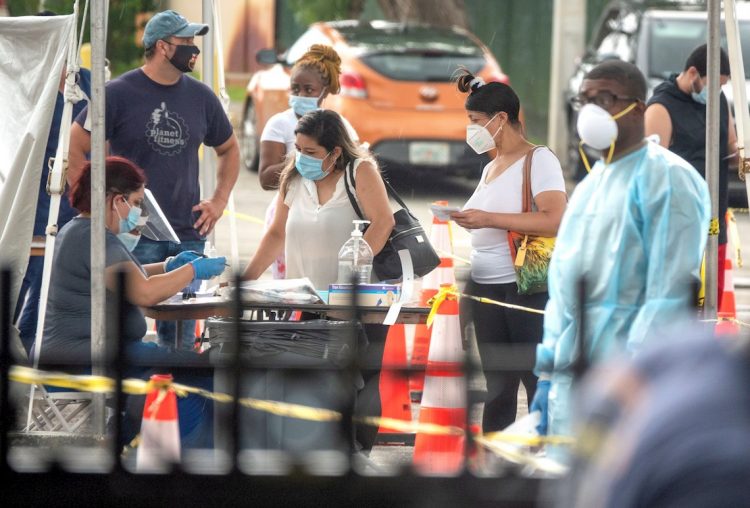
(355, 258)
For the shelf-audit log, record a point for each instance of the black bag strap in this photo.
(349, 175)
(349, 192)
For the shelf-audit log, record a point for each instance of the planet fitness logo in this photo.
(167, 132)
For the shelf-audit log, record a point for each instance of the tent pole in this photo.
(208, 162)
(98, 262)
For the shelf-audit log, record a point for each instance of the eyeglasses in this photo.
(603, 99)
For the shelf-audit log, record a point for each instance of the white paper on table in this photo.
(407, 287)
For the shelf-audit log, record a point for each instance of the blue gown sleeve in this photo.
(673, 203)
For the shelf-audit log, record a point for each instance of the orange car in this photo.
(396, 91)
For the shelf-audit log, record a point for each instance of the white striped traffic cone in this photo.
(444, 396)
(441, 239)
(159, 446)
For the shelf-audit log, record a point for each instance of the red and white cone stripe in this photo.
(159, 446)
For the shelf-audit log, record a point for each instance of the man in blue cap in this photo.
(158, 117)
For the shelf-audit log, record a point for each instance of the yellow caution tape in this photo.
(410, 427)
(445, 253)
(502, 304)
(521, 456)
(713, 228)
(444, 293)
(528, 439)
(246, 218)
(100, 384)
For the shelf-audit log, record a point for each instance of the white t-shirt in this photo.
(315, 233)
(280, 129)
(490, 255)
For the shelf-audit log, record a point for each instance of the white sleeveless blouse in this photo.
(314, 232)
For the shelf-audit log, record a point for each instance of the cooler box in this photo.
(326, 347)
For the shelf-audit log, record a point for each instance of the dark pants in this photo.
(506, 338)
(28, 301)
(150, 251)
(368, 399)
(194, 412)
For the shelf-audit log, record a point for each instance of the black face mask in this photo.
(182, 56)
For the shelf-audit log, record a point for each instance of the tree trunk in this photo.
(355, 9)
(435, 12)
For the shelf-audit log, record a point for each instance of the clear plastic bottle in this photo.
(355, 257)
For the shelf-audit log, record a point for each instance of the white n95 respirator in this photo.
(596, 127)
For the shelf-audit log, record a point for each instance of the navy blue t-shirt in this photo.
(67, 211)
(160, 128)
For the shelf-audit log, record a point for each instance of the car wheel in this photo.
(249, 143)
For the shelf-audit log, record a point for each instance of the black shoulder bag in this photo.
(407, 234)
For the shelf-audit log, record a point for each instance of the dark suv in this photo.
(657, 36)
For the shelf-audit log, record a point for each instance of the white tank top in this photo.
(315, 233)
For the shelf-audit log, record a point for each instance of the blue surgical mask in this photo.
(309, 167)
(700, 97)
(129, 240)
(130, 222)
(302, 105)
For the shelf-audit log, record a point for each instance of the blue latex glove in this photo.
(205, 268)
(540, 404)
(181, 259)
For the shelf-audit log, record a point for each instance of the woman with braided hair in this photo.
(314, 75)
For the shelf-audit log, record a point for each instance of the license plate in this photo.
(429, 154)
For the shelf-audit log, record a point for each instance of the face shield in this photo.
(153, 224)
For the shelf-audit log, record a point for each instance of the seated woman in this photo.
(67, 326)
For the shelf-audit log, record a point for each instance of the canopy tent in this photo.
(32, 54)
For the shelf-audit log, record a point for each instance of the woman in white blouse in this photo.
(314, 216)
(494, 208)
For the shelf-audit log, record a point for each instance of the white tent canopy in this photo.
(32, 54)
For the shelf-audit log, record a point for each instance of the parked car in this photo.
(657, 36)
(396, 91)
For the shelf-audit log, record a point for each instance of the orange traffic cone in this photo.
(440, 238)
(444, 396)
(394, 386)
(727, 314)
(159, 446)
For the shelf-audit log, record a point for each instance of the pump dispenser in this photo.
(355, 257)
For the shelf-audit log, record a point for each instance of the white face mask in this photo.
(479, 138)
(598, 129)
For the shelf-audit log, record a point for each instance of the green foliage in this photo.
(310, 11)
(122, 50)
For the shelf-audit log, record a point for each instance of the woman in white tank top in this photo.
(314, 216)
(505, 334)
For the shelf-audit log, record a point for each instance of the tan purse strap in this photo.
(528, 198)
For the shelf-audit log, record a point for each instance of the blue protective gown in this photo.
(635, 230)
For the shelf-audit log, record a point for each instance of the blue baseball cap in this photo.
(170, 24)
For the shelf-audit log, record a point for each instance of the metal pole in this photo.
(98, 262)
(737, 69)
(208, 163)
(568, 33)
(712, 152)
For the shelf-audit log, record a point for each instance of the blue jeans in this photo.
(149, 251)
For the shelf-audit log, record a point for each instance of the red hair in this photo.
(121, 177)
